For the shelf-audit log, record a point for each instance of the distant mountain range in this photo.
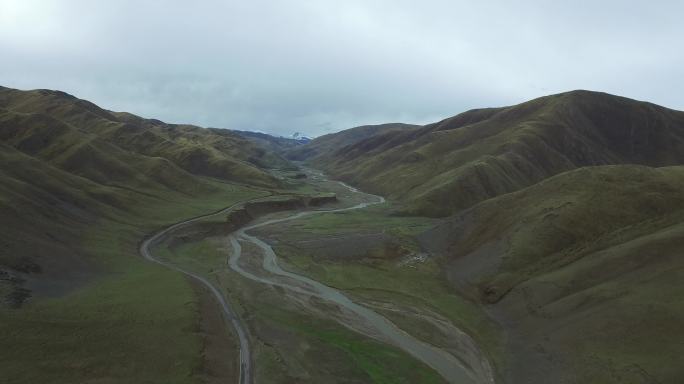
(300, 138)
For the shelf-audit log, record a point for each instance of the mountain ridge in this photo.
(444, 167)
(210, 152)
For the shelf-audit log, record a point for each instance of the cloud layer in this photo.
(321, 66)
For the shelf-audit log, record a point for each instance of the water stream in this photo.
(357, 317)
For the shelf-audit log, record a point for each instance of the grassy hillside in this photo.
(209, 152)
(98, 312)
(88, 156)
(445, 167)
(583, 270)
(79, 188)
(68, 163)
(564, 222)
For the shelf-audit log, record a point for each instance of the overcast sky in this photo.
(319, 66)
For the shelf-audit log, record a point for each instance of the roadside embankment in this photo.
(243, 213)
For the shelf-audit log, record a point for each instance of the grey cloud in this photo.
(320, 66)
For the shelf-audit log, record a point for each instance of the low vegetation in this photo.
(117, 318)
(383, 265)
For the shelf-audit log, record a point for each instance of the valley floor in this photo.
(303, 331)
(343, 292)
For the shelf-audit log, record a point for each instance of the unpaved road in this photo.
(354, 316)
(245, 355)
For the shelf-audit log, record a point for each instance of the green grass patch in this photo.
(134, 321)
(364, 356)
(198, 256)
(135, 326)
(421, 286)
(381, 363)
(372, 218)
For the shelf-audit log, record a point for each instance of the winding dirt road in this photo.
(245, 354)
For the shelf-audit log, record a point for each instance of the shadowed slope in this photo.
(584, 270)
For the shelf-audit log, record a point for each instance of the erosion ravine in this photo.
(354, 316)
